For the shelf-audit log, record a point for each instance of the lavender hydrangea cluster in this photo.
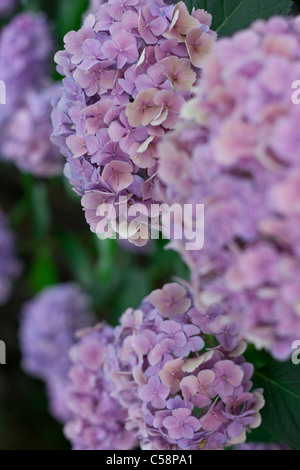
(25, 124)
(9, 265)
(238, 153)
(25, 48)
(181, 375)
(128, 71)
(47, 332)
(98, 420)
(26, 140)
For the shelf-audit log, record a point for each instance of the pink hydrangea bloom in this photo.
(237, 152)
(128, 71)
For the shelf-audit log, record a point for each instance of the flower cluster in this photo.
(238, 153)
(26, 140)
(128, 70)
(9, 266)
(181, 375)
(98, 421)
(25, 124)
(47, 332)
(25, 47)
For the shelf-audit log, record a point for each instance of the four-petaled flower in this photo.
(122, 48)
(154, 392)
(181, 424)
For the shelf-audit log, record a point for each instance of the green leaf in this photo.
(134, 288)
(41, 213)
(230, 16)
(106, 254)
(281, 413)
(261, 434)
(78, 258)
(69, 15)
(43, 271)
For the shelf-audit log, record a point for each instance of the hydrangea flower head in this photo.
(183, 386)
(47, 332)
(128, 71)
(97, 420)
(25, 124)
(238, 154)
(9, 265)
(25, 46)
(26, 135)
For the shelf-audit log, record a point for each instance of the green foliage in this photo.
(281, 413)
(43, 271)
(230, 16)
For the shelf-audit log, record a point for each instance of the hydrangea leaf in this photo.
(281, 413)
(230, 16)
(43, 271)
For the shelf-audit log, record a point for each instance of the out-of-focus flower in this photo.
(238, 153)
(57, 396)
(182, 387)
(9, 265)
(26, 136)
(25, 124)
(128, 74)
(98, 420)
(47, 332)
(25, 47)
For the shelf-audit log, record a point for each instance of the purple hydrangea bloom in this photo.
(237, 152)
(47, 332)
(25, 47)
(25, 124)
(9, 265)
(97, 421)
(128, 71)
(57, 396)
(26, 135)
(182, 388)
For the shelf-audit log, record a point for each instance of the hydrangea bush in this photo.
(47, 332)
(152, 109)
(128, 71)
(238, 153)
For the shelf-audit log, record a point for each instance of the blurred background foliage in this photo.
(56, 245)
